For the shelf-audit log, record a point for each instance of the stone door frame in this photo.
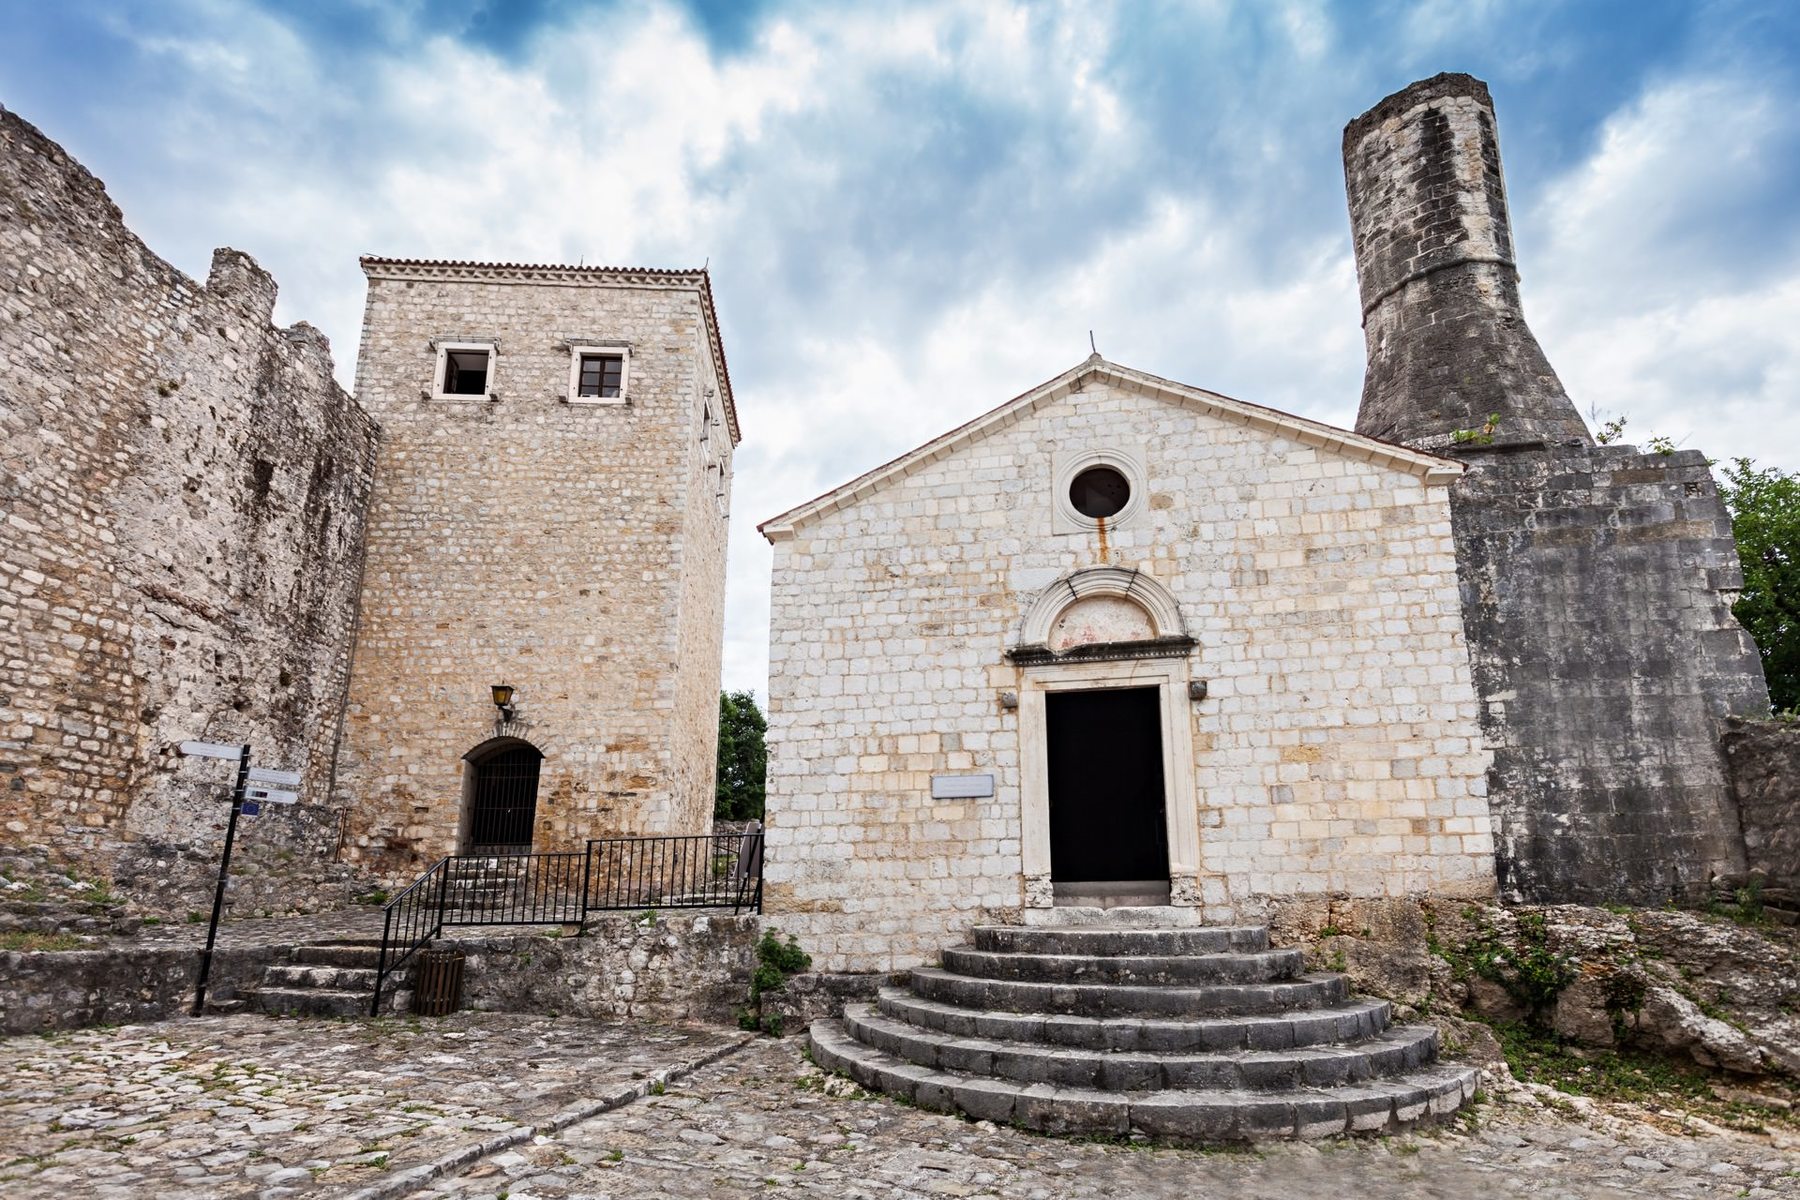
(1170, 676)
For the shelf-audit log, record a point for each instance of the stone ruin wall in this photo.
(1764, 761)
(185, 487)
(1596, 594)
(1596, 581)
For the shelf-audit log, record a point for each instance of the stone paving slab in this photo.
(765, 1122)
(362, 922)
(259, 1106)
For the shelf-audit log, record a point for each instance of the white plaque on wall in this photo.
(961, 787)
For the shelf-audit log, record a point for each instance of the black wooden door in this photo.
(503, 802)
(1106, 785)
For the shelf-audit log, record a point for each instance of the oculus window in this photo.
(1099, 492)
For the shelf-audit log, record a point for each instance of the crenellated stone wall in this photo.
(184, 488)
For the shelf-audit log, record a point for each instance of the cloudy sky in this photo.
(913, 212)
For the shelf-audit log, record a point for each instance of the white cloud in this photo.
(1658, 293)
(914, 214)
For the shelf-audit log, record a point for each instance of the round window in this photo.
(1099, 492)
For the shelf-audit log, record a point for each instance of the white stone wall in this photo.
(1337, 751)
(561, 548)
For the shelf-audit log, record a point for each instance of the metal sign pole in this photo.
(212, 930)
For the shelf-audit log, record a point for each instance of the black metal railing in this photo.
(611, 874)
(709, 871)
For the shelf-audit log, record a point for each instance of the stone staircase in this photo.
(329, 979)
(1119, 1026)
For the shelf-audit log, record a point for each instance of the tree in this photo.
(743, 759)
(1765, 519)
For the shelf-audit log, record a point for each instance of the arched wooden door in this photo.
(502, 799)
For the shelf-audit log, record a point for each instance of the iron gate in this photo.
(503, 802)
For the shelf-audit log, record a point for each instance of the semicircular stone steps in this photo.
(1194, 1034)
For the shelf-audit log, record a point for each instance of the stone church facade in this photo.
(1273, 600)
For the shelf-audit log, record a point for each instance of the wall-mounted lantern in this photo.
(503, 699)
(1197, 689)
(1009, 700)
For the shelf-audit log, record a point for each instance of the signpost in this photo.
(247, 801)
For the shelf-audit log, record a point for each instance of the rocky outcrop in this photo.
(1695, 986)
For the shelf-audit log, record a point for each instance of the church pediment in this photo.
(1328, 438)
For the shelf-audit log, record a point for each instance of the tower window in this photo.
(599, 374)
(465, 373)
(465, 370)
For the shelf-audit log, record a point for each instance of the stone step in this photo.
(1350, 1021)
(1377, 1106)
(1390, 1053)
(312, 1002)
(1129, 970)
(340, 954)
(1150, 916)
(310, 975)
(1015, 939)
(1112, 1000)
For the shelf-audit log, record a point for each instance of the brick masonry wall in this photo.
(1337, 752)
(184, 490)
(1763, 758)
(1596, 587)
(565, 549)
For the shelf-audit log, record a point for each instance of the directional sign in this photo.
(211, 750)
(250, 808)
(271, 775)
(270, 795)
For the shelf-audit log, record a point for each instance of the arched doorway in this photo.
(500, 797)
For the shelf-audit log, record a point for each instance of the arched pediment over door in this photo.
(1101, 613)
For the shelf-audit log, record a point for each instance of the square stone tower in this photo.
(549, 516)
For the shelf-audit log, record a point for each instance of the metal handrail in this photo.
(407, 915)
(609, 874)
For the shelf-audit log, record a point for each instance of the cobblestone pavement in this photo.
(763, 1122)
(253, 1106)
(258, 1106)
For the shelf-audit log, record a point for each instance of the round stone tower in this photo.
(1448, 348)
